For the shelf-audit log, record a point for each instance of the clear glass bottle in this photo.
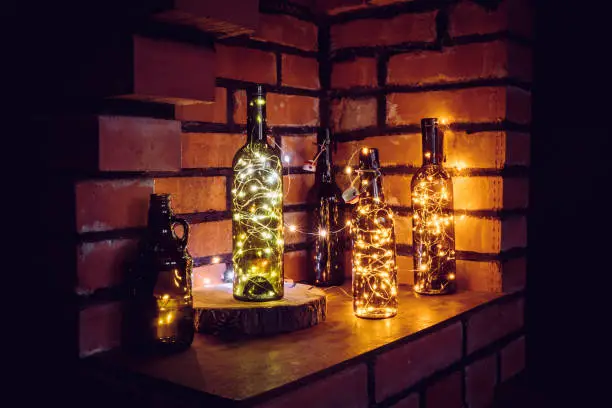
(328, 255)
(433, 228)
(374, 254)
(161, 303)
(257, 210)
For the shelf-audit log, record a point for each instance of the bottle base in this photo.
(375, 315)
(435, 292)
(249, 299)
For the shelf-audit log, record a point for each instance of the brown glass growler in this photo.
(328, 257)
(161, 293)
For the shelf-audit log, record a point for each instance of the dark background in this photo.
(568, 311)
(569, 239)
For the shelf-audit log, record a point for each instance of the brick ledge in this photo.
(381, 361)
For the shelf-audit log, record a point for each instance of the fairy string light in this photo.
(432, 218)
(374, 254)
(257, 212)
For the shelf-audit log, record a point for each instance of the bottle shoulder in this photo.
(432, 171)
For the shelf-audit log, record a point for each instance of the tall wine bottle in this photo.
(433, 228)
(257, 210)
(328, 255)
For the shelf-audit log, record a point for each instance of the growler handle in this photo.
(183, 240)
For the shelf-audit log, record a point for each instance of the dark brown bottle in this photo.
(433, 227)
(328, 255)
(374, 253)
(161, 297)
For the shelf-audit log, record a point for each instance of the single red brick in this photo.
(293, 110)
(287, 30)
(324, 392)
(300, 72)
(494, 322)
(99, 328)
(452, 64)
(518, 148)
(299, 188)
(480, 382)
(297, 264)
(520, 62)
(468, 18)
(299, 147)
(114, 143)
(516, 193)
(350, 114)
(482, 104)
(246, 64)
(227, 18)
(445, 393)
(479, 276)
(404, 365)
(202, 150)
(103, 205)
(138, 144)
(514, 274)
(213, 112)
(193, 194)
(411, 401)
(358, 72)
(210, 238)
(514, 233)
(396, 30)
(518, 105)
(104, 263)
(166, 69)
(513, 359)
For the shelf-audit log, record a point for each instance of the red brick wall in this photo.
(467, 65)
(370, 89)
(185, 147)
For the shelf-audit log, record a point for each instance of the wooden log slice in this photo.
(217, 312)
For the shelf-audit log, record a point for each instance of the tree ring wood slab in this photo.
(217, 312)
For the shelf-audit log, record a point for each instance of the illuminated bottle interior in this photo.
(374, 255)
(328, 257)
(433, 228)
(257, 210)
(160, 312)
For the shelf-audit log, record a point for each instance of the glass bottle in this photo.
(374, 255)
(161, 293)
(257, 210)
(433, 228)
(329, 245)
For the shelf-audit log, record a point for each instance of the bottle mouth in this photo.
(429, 122)
(368, 158)
(256, 91)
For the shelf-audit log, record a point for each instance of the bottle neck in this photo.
(370, 175)
(256, 116)
(160, 217)
(433, 145)
(371, 185)
(324, 167)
